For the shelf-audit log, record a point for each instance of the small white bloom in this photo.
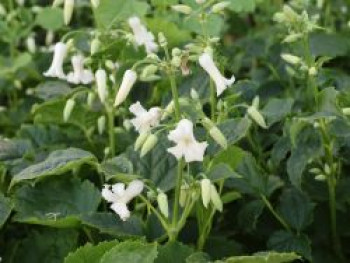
(101, 82)
(79, 74)
(144, 120)
(207, 63)
(119, 197)
(142, 36)
(56, 68)
(187, 146)
(128, 81)
(30, 42)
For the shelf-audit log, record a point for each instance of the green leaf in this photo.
(174, 35)
(110, 12)
(58, 162)
(329, 44)
(52, 112)
(308, 146)
(58, 202)
(249, 214)
(328, 101)
(284, 241)
(50, 18)
(119, 168)
(110, 223)
(131, 252)
(214, 25)
(263, 257)
(173, 252)
(241, 6)
(158, 165)
(13, 149)
(231, 156)
(276, 109)
(296, 208)
(5, 209)
(198, 257)
(90, 253)
(48, 246)
(49, 90)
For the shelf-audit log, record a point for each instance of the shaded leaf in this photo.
(173, 252)
(5, 209)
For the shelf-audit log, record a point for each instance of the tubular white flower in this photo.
(142, 36)
(101, 82)
(187, 146)
(56, 68)
(128, 81)
(144, 120)
(119, 197)
(79, 74)
(207, 63)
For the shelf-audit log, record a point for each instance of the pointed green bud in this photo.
(162, 200)
(149, 144)
(219, 7)
(140, 141)
(205, 191)
(315, 170)
(292, 38)
(68, 108)
(149, 70)
(163, 42)
(257, 117)
(327, 169)
(215, 198)
(95, 46)
(184, 9)
(291, 59)
(218, 137)
(207, 123)
(256, 102)
(101, 124)
(320, 177)
(68, 11)
(194, 94)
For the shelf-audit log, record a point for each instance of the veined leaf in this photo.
(5, 209)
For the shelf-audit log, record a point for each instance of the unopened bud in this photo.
(292, 38)
(149, 70)
(219, 7)
(140, 141)
(95, 3)
(176, 61)
(184, 9)
(90, 99)
(291, 59)
(257, 117)
(176, 52)
(327, 169)
(315, 170)
(320, 177)
(68, 108)
(68, 11)
(215, 198)
(101, 124)
(163, 42)
(218, 137)
(312, 71)
(162, 200)
(194, 94)
(31, 44)
(206, 191)
(149, 144)
(346, 111)
(183, 195)
(95, 46)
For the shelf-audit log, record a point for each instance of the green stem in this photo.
(275, 214)
(177, 200)
(212, 100)
(110, 117)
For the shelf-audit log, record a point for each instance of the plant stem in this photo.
(110, 117)
(212, 100)
(275, 214)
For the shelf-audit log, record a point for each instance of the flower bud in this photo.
(292, 38)
(219, 7)
(218, 137)
(290, 14)
(215, 198)
(257, 117)
(101, 124)
(194, 94)
(68, 10)
(183, 195)
(176, 61)
(162, 200)
(346, 111)
(95, 3)
(175, 52)
(149, 70)
(320, 177)
(95, 46)
(163, 42)
(49, 38)
(291, 59)
(184, 9)
(315, 170)
(31, 44)
(312, 71)
(90, 99)
(128, 81)
(101, 82)
(68, 108)
(206, 191)
(149, 144)
(140, 141)
(327, 169)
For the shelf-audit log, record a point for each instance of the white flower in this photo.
(68, 11)
(101, 82)
(187, 145)
(144, 120)
(142, 36)
(207, 63)
(128, 81)
(79, 74)
(119, 197)
(56, 68)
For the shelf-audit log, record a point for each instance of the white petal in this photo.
(108, 195)
(87, 77)
(137, 109)
(184, 129)
(177, 151)
(134, 189)
(195, 151)
(128, 81)
(119, 189)
(121, 209)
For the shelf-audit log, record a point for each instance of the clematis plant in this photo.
(56, 68)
